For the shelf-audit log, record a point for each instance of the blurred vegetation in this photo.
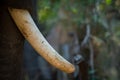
(103, 16)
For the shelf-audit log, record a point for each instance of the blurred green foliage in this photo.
(108, 2)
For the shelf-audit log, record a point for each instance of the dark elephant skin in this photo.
(11, 40)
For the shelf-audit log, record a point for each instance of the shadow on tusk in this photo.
(29, 30)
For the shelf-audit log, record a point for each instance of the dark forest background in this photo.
(85, 32)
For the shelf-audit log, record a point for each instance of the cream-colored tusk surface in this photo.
(28, 28)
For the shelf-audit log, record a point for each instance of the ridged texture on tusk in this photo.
(28, 28)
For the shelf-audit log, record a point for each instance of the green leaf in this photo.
(74, 10)
(108, 2)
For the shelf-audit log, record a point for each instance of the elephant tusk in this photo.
(28, 28)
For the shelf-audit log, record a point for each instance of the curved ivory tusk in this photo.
(28, 28)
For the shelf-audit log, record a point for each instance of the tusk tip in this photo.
(71, 69)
